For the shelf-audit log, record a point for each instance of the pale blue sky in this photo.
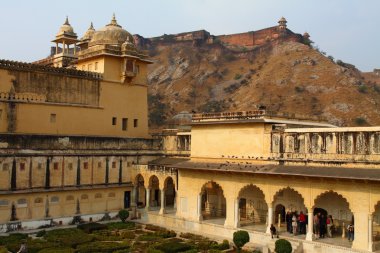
(346, 29)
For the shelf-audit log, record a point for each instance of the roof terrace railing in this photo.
(255, 114)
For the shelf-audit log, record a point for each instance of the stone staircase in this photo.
(296, 245)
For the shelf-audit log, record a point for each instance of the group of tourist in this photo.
(323, 224)
(296, 223)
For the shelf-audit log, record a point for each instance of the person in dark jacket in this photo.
(288, 218)
(322, 226)
(273, 231)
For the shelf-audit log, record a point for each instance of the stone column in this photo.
(162, 209)
(237, 214)
(310, 224)
(63, 47)
(370, 231)
(199, 213)
(270, 217)
(147, 200)
(361, 231)
(56, 48)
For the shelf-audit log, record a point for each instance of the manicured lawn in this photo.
(116, 237)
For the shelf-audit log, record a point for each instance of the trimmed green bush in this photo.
(149, 237)
(102, 247)
(36, 245)
(166, 234)
(240, 238)
(173, 247)
(153, 227)
(13, 241)
(123, 215)
(68, 237)
(221, 246)
(91, 227)
(41, 233)
(121, 225)
(57, 250)
(283, 246)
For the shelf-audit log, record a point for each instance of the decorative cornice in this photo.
(22, 66)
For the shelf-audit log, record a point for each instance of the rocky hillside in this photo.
(283, 76)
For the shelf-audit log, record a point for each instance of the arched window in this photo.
(98, 195)
(38, 201)
(54, 199)
(22, 203)
(4, 202)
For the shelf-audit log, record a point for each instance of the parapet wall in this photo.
(55, 85)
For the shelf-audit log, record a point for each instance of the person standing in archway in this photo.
(316, 224)
(294, 224)
(288, 218)
(322, 226)
(330, 223)
(302, 220)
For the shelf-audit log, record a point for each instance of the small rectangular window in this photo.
(70, 166)
(22, 166)
(5, 167)
(53, 118)
(113, 165)
(99, 164)
(96, 65)
(114, 121)
(124, 124)
(56, 166)
(135, 123)
(85, 165)
(39, 166)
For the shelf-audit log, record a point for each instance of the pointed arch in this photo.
(213, 201)
(253, 208)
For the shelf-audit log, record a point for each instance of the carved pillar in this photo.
(237, 214)
(199, 212)
(370, 233)
(147, 201)
(162, 209)
(270, 217)
(309, 234)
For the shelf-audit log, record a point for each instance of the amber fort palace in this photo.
(74, 142)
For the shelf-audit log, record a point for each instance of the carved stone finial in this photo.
(113, 21)
(67, 21)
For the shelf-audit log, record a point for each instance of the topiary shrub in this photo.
(90, 227)
(283, 246)
(123, 215)
(240, 238)
(13, 241)
(102, 247)
(173, 247)
(121, 225)
(41, 233)
(70, 237)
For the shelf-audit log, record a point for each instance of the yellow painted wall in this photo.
(215, 141)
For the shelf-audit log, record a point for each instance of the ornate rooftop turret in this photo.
(66, 29)
(89, 33)
(282, 24)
